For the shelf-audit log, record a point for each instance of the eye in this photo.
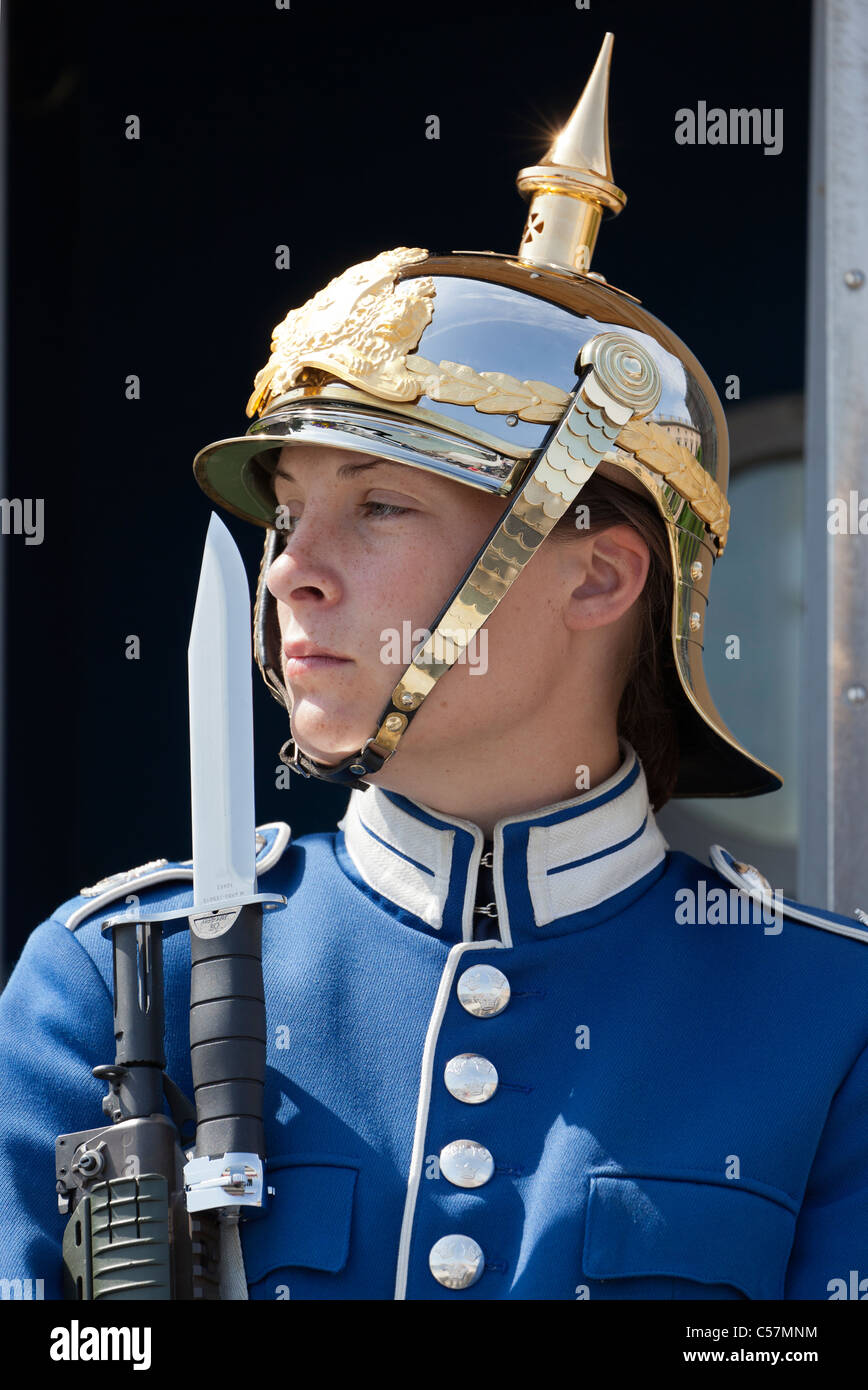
(284, 524)
(381, 509)
(375, 510)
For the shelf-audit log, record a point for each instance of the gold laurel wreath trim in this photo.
(491, 393)
(496, 393)
(653, 446)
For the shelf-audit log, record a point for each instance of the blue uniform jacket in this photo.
(676, 1082)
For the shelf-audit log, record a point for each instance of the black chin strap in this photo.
(619, 382)
(346, 774)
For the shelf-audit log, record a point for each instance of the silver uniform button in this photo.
(465, 1163)
(456, 1262)
(471, 1078)
(483, 990)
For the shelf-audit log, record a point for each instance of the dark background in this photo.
(156, 257)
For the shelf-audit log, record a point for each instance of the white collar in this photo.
(561, 868)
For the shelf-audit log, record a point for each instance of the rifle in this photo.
(129, 1235)
(144, 1216)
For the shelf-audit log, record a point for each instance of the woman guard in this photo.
(518, 1046)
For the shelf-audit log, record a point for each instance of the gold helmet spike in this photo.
(573, 186)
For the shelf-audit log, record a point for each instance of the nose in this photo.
(300, 573)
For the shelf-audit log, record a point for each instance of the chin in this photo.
(329, 728)
(325, 746)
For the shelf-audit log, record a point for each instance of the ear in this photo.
(609, 572)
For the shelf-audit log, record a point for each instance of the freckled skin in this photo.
(483, 745)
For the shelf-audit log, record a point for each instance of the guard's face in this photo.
(374, 549)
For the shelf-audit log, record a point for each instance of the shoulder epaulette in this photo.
(271, 841)
(750, 881)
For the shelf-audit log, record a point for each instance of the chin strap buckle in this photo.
(289, 756)
(349, 773)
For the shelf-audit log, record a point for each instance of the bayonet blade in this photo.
(221, 728)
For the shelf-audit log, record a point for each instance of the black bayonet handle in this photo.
(228, 1038)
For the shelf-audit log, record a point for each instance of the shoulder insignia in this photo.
(125, 876)
(271, 841)
(750, 881)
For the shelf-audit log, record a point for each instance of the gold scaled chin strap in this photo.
(619, 383)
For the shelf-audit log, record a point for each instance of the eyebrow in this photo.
(346, 470)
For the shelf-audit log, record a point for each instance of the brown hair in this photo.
(646, 715)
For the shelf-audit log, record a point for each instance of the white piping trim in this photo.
(418, 1157)
(776, 904)
(467, 923)
(500, 887)
(132, 886)
(268, 860)
(281, 840)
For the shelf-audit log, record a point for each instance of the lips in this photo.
(301, 657)
(303, 651)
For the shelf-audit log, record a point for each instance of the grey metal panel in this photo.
(834, 817)
(4, 68)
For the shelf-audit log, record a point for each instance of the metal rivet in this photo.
(512, 419)
(407, 698)
(395, 722)
(696, 569)
(534, 275)
(358, 769)
(695, 621)
(854, 279)
(857, 694)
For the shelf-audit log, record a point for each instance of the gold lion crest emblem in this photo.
(360, 328)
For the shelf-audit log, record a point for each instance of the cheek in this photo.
(528, 623)
(525, 649)
(410, 584)
(513, 663)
